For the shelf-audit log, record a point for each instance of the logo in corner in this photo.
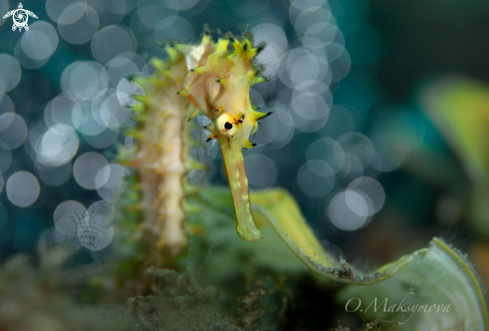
(20, 17)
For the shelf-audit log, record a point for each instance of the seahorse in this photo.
(210, 78)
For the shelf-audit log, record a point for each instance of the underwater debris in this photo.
(35, 300)
(377, 325)
(179, 303)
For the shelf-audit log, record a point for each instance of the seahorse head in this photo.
(221, 89)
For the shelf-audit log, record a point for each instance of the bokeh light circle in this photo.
(348, 211)
(261, 171)
(13, 130)
(6, 106)
(316, 178)
(85, 118)
(59, 111)
(372, 189)
(86, 170)
(112, 41)
(174, 28)
(41, 41)
(65, 218)
(58, 145)
(84, 80)
(181, 4)
(23, 189)
(307, 4)
(71, 10)
(112, 188)
(11, 72)
(328, 150)
(81, 30)
(55, 176)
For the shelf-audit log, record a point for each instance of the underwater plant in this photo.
(214, 78)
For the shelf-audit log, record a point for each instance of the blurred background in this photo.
(379, 131)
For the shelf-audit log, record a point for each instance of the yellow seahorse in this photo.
(205, 78)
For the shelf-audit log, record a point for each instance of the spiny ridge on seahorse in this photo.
(161, 155)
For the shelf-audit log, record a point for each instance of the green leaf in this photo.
(442, 276)
(282, 212)
(460, 108)
(276, 207)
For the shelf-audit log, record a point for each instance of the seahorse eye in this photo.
(226, 125)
